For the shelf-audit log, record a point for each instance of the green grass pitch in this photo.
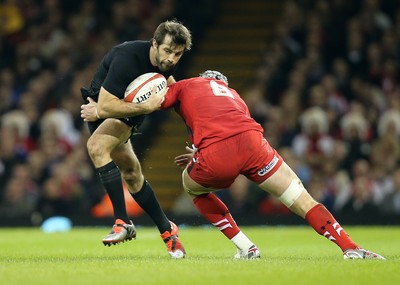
(290, 255)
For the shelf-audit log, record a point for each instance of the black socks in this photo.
(110, 177)
(149, 203)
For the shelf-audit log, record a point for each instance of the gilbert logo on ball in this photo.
(139, 90)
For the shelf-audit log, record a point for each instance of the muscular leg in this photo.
(107, 137)
(129, 166)
(143, 194)
(139, 188)
(215, 211)
(285, 185)
(110, 143)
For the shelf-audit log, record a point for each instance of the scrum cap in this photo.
(214, 74)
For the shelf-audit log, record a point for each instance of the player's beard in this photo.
(163, 64)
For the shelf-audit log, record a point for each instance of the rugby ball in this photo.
(139, 90)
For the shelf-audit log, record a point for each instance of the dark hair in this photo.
(180, 35)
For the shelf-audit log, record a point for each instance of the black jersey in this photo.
(119, 67)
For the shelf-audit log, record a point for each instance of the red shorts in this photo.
(248, 153)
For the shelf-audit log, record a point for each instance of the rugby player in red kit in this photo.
(227, 142)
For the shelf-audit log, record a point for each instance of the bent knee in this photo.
(95, 149)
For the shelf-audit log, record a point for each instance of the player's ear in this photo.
(154, 43)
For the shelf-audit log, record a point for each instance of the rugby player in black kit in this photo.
(109, 145)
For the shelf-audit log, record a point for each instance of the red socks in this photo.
(325, 224)
(322, 221)
(216, 212)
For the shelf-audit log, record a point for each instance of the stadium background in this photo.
(321, 76)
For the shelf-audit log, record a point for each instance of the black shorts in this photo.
(133, 122)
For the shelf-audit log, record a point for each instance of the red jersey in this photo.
(211, 110)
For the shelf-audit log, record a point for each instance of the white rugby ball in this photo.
(139, 90)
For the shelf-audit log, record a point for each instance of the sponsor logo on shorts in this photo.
(269, 166)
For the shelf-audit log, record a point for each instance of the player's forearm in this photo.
(121, 109)
(110, 106)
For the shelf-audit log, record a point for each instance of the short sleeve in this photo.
(121, 73)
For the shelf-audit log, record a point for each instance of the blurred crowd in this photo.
(327, 92)
(328, 95)
(48, 50)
